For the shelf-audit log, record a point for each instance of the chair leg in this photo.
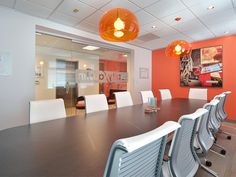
(226, 133)
(222, 151)
(208, 170)
(217, 153)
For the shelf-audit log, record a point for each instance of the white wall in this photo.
(17, 38)
(17, 34)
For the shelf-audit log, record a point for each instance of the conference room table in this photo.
(79, 146)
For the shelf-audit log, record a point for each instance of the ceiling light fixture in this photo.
(89, 47)
(125, 55)
(153, 26)
(210, 7)
(118, 25)
(178, 48)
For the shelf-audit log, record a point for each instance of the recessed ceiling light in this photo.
(89, 47)
(210, 7)
(153, 26)
(178, 19)
(76, 10)
(125, 55)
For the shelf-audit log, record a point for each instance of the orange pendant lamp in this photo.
(118, 25)
(178, 48)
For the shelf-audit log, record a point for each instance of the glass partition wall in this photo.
(69, 70)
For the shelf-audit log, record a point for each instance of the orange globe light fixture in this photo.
(118, 25)
(178, 48)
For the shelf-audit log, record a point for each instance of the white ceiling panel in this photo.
(143, 3)
(64, 19)
(189, 25)
(136, 42)
(68, 6)
(219, 17)
(51, 4)
(195, 2)
(167, 31)
(144, 17)
(94, 18)
(32, 8)
(89, 27)
(149, 27)
(121, 3)
(96, 3)
(7, 3)
(165, 8)
(199, 34)
(186, 16)
(201, 10)
(229, 27)
(155, 44)
(177, 36)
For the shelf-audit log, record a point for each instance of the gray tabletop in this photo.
(79, 146)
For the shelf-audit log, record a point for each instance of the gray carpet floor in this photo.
(224, 166)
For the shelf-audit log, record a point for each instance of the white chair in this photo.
(44, 110)
(165, 94)
(196, 93)
(183, 160)
(221, 115)
(95, 103)
(145, 95)
(141, 155)
(123, 99)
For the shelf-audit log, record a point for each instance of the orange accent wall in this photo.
(166, 72)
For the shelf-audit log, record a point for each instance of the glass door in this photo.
(66, 86)
(56, 71)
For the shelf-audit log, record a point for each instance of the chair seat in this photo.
(80, 105)
(111, 101)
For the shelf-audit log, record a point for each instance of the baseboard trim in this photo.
(231, 121)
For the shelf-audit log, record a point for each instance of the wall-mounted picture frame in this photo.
(143, 73)
(204, 68)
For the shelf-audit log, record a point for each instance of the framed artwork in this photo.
(143, 73)
(204, 68)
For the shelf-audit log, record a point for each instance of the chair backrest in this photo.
(165, 94)
(183, 160)
(123, 99)
(225, 115)
(196, 93)
(44, 110)
(220, 113)
(145, 95)
(204, 136)
(95, 103)
(140, 155)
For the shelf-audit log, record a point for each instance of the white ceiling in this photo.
(198, 23)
